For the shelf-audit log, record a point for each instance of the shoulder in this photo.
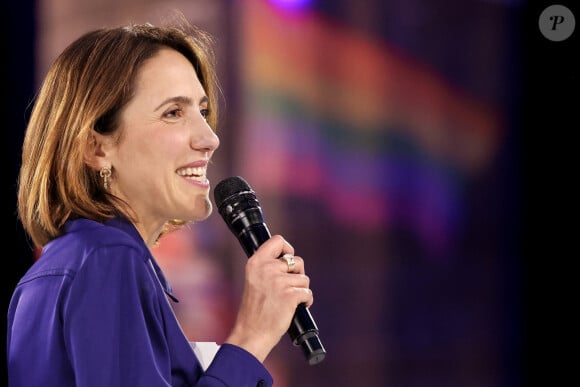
(87, 242)
(87, 235)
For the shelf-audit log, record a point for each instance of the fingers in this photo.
(296, 283)
(295, 280)
(276, 247)
(292, 289)
(289, 269)
(300, 290)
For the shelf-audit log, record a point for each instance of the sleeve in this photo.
(232, 364)
(113, 324)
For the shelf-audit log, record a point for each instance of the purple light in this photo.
(291, 4)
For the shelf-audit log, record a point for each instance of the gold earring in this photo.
(105, 173)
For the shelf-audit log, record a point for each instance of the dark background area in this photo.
(549, 197)
(544, 118)
(18, 34)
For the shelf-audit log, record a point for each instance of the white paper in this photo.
(205, 351)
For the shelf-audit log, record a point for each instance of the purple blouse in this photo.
(93, 311)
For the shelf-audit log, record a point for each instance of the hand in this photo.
(270, 297)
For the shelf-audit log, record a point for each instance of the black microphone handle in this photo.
(303, 330)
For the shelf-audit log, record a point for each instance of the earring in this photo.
(105, 173)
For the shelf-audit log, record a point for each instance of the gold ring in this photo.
(289, 258)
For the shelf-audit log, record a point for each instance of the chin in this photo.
(202, 210)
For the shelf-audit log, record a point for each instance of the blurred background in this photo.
(384, 139)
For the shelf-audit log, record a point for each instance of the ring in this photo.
(289, 258)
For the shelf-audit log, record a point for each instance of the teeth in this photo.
(197, 173)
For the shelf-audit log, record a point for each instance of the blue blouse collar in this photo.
(129, 228)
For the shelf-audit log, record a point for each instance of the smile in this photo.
(197, 173)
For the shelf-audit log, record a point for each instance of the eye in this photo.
(204, 113)
(173, 113)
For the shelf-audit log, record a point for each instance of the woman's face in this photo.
(159, 163)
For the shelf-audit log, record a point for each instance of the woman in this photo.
(116, 150)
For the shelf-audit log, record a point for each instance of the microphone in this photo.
(240, 209)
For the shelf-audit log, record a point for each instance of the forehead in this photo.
(168, 71)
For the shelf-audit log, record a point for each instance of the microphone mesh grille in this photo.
(229, 187)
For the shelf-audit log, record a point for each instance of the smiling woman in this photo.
(117, 148)
(164, 134)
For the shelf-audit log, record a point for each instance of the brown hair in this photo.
(84, 90)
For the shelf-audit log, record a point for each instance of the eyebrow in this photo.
(183, 100)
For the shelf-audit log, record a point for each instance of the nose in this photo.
(204, 138)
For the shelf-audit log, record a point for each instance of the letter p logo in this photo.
(556, 23)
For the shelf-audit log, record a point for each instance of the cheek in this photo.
(148, 147)
(156, 144)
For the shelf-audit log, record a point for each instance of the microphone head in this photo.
(229, 187)
(240, 209)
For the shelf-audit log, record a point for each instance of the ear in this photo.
(95, 155)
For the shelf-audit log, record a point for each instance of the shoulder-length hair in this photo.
(85, 89)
